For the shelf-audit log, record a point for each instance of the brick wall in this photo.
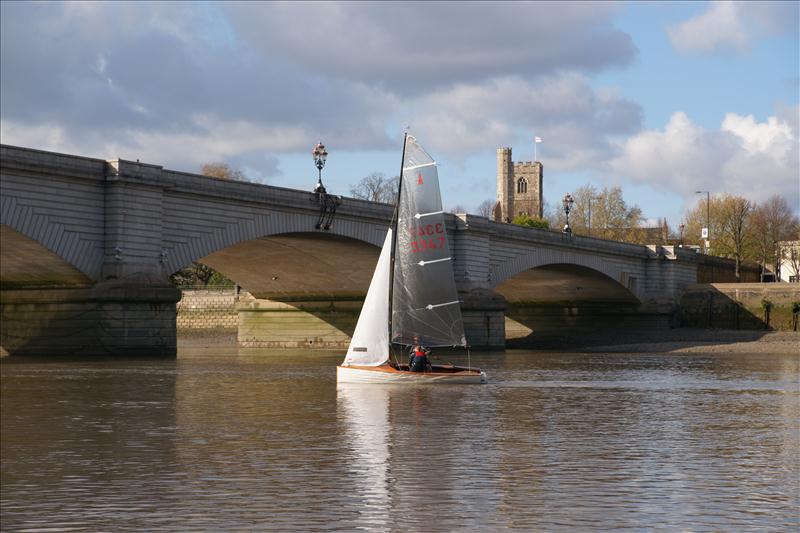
(207, 310)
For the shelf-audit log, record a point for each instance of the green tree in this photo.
(199, 274)
(525, 220)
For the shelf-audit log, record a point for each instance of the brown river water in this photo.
(554, 442)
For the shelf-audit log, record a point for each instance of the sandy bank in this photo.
(706, 341)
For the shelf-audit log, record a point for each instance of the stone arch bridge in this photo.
(88, 246)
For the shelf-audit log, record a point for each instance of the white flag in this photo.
(537, 139)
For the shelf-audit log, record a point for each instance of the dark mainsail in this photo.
(425, 305)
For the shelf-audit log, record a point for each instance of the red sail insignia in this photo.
(419, 178)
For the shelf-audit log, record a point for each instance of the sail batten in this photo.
(423, 263)
(420, 215)
(414, 167)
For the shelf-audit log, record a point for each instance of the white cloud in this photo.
(733, 26)
(136, 82)
(575, 120)
(744, 157)
(407, 47)
(211, 140)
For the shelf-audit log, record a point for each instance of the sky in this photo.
(661, 99)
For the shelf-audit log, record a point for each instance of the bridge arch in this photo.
(623, 273)
(211, 232)
(564, 284)
(25, 263)
(299, 265)
(83, 252)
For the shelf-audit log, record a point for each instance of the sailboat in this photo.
(412, 298)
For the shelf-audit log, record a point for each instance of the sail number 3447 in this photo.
(435, 237)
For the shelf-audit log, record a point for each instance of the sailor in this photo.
(418, 360)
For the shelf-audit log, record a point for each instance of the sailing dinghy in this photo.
(412, 297)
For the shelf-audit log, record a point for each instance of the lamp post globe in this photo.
(320, 154)
(567, 202)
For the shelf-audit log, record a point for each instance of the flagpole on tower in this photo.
(536, 140)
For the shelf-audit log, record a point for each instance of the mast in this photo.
(393, 226)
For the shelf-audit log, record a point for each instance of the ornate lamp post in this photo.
(567, 202)
(320, 155)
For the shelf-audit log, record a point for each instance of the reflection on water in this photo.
(554, 442)
(364, 413)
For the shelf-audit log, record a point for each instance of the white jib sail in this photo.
(370, 343)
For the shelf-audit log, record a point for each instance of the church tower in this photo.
(519, 188)
(505, 186)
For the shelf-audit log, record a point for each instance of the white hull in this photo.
(387, 374)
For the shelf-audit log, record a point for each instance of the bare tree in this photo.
(772, 222)
(580, 216)
(458, 208)
(376, 187)
(695, 220)
(486, 208)
(223, 171)
(553, 214)
(735, 228)
(602, 213)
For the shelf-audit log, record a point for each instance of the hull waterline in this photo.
(388, 374)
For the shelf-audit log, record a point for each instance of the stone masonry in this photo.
(519, 188)
(88, 247)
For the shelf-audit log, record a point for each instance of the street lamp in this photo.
(319, 154)
(567, 202)
(707, 235)
(681, 228)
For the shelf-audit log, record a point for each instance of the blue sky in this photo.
(660, 98)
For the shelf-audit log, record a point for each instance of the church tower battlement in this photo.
(519, 188)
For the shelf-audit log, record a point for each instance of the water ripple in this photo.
(560, 442)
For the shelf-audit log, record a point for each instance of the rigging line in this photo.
(423, 263)
(446, 331)
(420, 215)
(449, 325)
(414, 167)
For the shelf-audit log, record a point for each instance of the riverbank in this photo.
(706, 341)
(681, 340)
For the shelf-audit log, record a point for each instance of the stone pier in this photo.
(327, 323)
(308, 323)
(114, 318)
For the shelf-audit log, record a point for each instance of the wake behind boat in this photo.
(412, 299)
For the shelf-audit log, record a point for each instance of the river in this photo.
(555, 442)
